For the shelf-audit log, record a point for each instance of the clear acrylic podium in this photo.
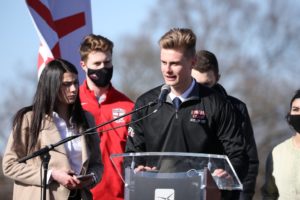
(175, 176)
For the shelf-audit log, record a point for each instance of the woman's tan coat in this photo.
(27, 176)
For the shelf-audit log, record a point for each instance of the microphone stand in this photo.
(44, 152)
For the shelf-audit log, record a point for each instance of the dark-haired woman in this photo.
(55, 114)
(282, 169)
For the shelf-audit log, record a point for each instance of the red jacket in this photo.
(116, 104)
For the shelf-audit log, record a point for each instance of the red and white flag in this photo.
(61, 26)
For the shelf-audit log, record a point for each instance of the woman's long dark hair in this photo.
(44, 103)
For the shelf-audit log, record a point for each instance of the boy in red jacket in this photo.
(100, 98)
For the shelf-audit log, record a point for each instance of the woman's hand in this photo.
(66, 178)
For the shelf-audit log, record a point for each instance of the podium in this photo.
(175, 175)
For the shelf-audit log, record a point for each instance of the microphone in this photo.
(89, 131)
(165, 90)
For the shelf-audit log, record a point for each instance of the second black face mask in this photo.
(294, 121)
(104, 76)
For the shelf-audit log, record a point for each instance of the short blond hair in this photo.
(179, 38)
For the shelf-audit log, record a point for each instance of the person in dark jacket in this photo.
(202, 122)
(206, 71)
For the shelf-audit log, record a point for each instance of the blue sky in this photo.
(19, 40)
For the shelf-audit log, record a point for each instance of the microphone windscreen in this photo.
(166, 87)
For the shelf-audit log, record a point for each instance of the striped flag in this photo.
(61, 25)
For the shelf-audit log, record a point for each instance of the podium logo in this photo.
(164, 194)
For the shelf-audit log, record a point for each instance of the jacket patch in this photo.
(198, 116)
(117, 112)
(130, 132)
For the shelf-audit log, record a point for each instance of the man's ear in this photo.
(82, 64)
(194, 61)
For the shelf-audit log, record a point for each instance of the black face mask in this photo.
(104, 76)
(294, 121)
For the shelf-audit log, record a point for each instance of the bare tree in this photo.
(17, 95)
(139, 66)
